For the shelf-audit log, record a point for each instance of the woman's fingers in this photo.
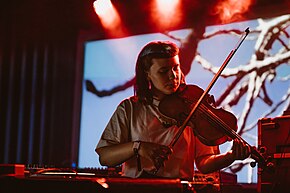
(241, 150)
(160, 153)
(155, 152)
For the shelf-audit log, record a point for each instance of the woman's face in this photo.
(165, 75)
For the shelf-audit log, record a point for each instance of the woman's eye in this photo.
(163, 70)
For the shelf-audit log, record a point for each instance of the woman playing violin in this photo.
(138, 134)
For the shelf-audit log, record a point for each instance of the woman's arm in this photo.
(114, 155)
(212, 163)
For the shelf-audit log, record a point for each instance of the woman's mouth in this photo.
(172, 84)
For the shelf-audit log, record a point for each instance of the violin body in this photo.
(208, 122)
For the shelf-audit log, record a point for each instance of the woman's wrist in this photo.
(136, 147)
(229, 157)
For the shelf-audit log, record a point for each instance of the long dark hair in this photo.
(155, 49)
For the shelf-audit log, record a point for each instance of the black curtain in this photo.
(38, 81)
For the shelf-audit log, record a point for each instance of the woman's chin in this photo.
(170, 90)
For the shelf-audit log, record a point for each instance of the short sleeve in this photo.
(117, 129)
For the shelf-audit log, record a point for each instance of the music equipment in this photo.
(108, 180)
(15, 169)
(274, 145)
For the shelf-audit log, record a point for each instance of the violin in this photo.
(211, 125)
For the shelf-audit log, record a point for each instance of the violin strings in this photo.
(215, 119)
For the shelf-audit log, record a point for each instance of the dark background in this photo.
(41, 69)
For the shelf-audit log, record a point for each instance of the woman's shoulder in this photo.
(132, 100)
(129, 104)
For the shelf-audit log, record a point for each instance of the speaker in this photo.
(274, 145)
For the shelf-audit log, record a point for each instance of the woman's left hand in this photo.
(240, 150)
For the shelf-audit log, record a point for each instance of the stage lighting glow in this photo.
(102, 7)
(166, 13)
(166, 6)
(230, 10)
(109, 16)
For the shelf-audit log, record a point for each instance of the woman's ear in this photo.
(148, 76)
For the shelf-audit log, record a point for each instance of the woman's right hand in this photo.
(155, 152)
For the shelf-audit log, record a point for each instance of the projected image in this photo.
(254, 85)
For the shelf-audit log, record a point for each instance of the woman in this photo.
(137, 135)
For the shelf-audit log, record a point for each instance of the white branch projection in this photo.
(249, 80)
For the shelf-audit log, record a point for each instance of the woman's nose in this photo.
(172, 74)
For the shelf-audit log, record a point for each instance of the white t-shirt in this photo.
(134, 121)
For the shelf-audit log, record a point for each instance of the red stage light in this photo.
(166, 13)
(166, 7)
(102, 7)
(232, 10)
(109, 16)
